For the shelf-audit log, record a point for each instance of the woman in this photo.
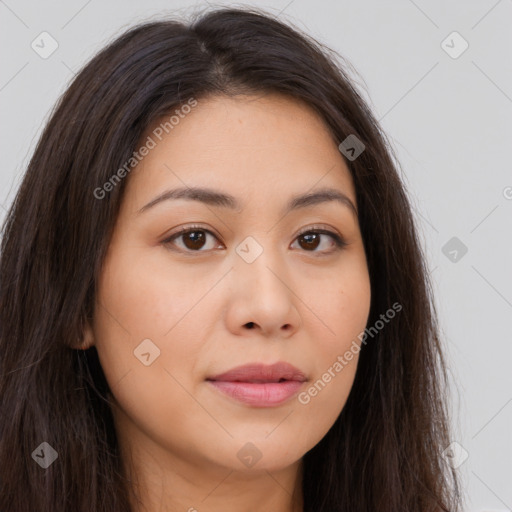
(213, 295)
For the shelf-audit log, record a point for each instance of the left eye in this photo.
(194, 239)
(312, 239)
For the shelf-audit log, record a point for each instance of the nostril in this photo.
(250, 325)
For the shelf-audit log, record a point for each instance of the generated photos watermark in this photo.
(143, 151)
(343, 360)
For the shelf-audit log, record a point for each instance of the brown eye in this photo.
(310, 240)
(193, 239)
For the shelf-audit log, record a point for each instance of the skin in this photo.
(179, 436)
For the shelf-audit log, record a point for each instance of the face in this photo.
(253, 279)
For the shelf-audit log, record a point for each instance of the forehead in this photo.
(261, 148)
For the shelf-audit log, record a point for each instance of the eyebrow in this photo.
(220, 199)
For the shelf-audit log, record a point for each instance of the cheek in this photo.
(146, 295)
(338, 304)
(145, 316)
(143, 309)
(341, 310)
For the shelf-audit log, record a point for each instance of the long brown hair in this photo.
(384, 450)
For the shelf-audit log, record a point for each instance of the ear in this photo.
(87, 340)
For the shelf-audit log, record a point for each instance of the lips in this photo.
(260, 385)
(260, 373)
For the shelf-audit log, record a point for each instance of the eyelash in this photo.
(339, 241)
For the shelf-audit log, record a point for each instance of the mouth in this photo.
(261, 373)
(260, 385)
(256, 381)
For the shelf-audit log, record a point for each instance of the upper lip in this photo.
(256, 372)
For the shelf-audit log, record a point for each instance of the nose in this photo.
(262, 298)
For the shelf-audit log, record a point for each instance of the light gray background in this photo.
(449, 119)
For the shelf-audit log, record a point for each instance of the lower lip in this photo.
(264, 394)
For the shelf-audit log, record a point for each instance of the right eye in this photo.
(193, 239)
